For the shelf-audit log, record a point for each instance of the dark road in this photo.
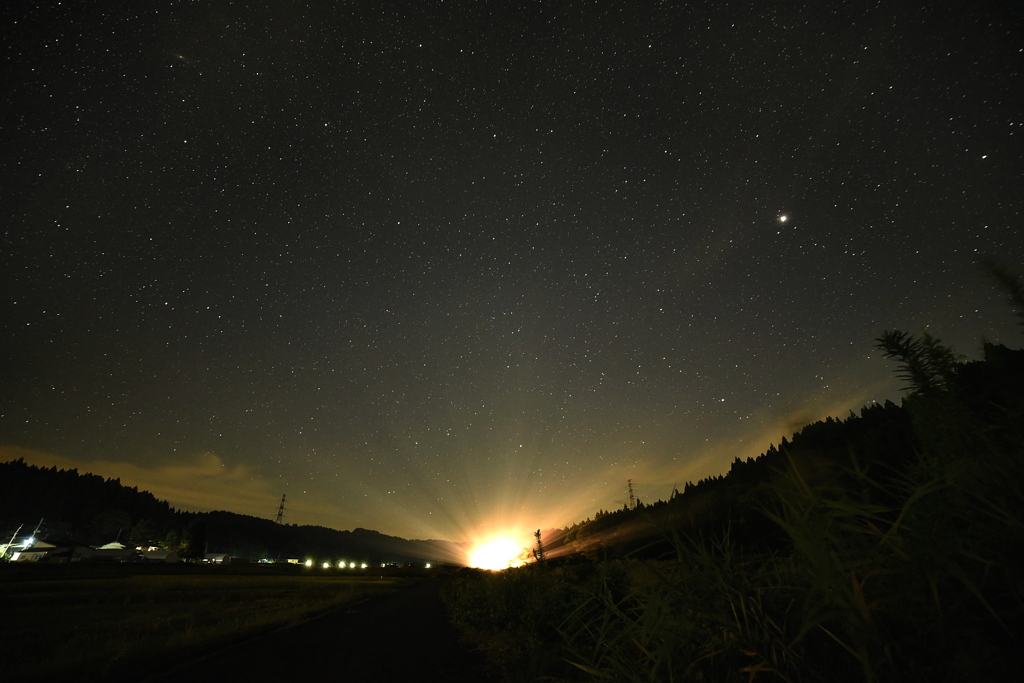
(401, 636)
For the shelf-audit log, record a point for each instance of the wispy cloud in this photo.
(200, 482)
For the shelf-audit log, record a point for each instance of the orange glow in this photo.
(497, 553)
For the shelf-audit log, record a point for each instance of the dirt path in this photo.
(401, 636)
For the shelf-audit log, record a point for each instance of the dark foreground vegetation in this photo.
(887, 546)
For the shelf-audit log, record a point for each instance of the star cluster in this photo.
(425, 266)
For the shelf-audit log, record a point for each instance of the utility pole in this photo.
(632, 498)
(280, 510)
(7, 549)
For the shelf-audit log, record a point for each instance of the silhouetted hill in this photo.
(980, 407)
(82, 506)
(93, 510)
(881, 547)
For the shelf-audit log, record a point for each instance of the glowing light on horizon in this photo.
(497, 553)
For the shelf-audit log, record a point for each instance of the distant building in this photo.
(38, 552)
(158, 556)
(105, 554)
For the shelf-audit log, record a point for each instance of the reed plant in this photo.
(513, 616)
(887, 578)
(708, 614)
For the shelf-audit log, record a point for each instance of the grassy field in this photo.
(113, 619)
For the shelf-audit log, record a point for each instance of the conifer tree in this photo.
(539, 553)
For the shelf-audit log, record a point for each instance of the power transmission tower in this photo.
(632, 498)
(280, 510)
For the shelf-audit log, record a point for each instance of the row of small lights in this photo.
(349, 565)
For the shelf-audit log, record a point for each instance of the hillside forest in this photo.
(884, 546)
(70, 509)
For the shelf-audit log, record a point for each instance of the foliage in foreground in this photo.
(888, 563)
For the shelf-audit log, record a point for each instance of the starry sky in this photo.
(448, 268)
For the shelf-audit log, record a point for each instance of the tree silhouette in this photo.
(539, 553)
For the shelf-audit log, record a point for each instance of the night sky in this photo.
(443, 269)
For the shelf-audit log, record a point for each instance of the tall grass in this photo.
(889, 575)
(513, 616)
(708, 614)
(897, 561)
